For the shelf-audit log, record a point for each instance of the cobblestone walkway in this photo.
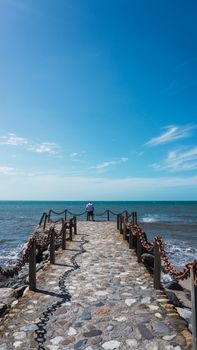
(111, 303)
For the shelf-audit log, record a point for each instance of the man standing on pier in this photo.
(90, 211)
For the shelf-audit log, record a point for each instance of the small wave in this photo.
(179, 253)
(150, 218)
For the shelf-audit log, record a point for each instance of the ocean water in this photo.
(175, 222)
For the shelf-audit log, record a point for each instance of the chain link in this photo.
(64, 295)
(180, 275)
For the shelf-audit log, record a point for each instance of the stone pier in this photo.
(95, 296)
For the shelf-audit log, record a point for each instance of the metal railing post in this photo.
(52, 247)
(121, 229)
(135, 218)
(118, 221)
(125, 229)
(108, 215)
(194, 307)
(45, 220)
(157, 267)
(70, 230)
(49, 215)
(131, 245)
(32, 267)
(139, 250)
(132, 215)
(65, 214)
(75, 225)
(64, 237)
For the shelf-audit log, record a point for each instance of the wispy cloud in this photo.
(13, 140)
(179, 160)
(173, 133)
(77, 156)
(47, 147)
(108, 164)
(5, 170)
(43, 147)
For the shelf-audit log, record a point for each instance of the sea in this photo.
(174, 221)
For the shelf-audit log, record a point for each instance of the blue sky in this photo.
(98, 99)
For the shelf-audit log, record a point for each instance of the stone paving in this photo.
(111, 303)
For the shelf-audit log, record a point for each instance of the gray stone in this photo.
(174, 300)
(128, 330)
(18, 292)
(80, 344)
(96, 340)
(78, 324)
(111, 345)
(86, 315)
(173, 285)
(145, 332)
(99, 304)
(29, 328)
(3, 347)
(7, 295)
(92, 333)
(161, 328)
(116, 298)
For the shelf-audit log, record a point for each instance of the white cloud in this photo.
(13, 140)
(173, 133)
(43, 147)
(179, 160)
(5, 170)
(77, 156)
(104, 165)
(46, 147)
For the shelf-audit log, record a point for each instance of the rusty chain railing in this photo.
(47, 217)
(133, 232)
(42, 243)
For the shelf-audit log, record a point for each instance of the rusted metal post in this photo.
(71, 230)
(131, 245)
(135, 218)
(121, 229)
(157, 267)
(75, 225)
(32, 267)
(49, 216)
(118, 221)
(132, 215)
(125, 229)
(52, 247)
(64, 237)
(194, 307)
(45, 220)
(139, 250)
(126, 215)
(108, 215)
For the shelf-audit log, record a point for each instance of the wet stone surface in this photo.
(107, 303)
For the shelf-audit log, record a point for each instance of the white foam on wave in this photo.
(150, 218)
(179, 253)
(9, 257)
